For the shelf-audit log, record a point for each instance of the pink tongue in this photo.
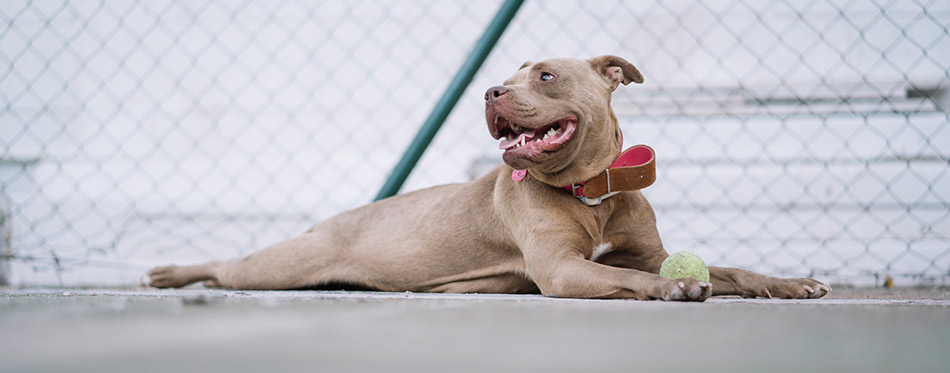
(505, 144)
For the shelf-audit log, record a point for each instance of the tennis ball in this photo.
(684, 264)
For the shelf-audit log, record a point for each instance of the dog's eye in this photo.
(546, 77)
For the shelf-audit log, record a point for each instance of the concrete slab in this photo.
(200, 330)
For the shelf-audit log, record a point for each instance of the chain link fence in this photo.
(793, 138)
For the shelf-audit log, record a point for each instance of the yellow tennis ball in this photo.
(684, 264)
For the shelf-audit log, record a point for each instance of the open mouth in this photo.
(533, 141)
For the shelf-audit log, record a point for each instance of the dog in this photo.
(546, 221)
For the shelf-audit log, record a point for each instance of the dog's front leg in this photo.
(572, 276)
(733, 281)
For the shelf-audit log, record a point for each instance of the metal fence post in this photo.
(451, 96)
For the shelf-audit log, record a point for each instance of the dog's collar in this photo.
(634, 169)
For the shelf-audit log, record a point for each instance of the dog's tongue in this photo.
(526, 135)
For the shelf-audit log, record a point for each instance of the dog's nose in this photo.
(494, 93)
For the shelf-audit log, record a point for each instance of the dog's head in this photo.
(554, 117)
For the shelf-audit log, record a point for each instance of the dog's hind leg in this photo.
(292, 264)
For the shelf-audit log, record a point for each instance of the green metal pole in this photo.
(451, 96)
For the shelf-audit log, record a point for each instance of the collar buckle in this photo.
(574, 190)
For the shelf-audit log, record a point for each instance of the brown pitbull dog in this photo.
(517, 229)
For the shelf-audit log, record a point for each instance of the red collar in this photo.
(634, 169)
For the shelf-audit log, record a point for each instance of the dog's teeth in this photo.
(552, 132)
(523, 140)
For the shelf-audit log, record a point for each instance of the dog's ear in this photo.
(526, 64)
(616, 70)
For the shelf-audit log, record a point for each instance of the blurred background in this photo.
(795, 138)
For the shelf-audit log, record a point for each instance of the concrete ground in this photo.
(144, 330)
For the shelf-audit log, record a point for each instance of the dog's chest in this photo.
(600, 250)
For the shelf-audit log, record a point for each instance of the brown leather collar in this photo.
(634, 169)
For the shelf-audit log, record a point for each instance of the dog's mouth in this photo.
(533, 141)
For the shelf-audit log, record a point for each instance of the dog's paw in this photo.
(166, 277)
(788, 288)
(687, 289)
